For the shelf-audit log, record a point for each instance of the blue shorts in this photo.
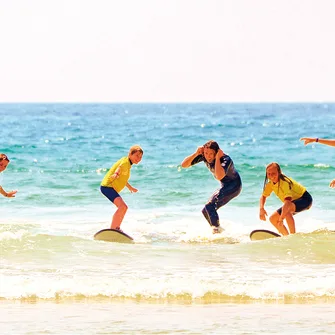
(109, 193)
(301, 204)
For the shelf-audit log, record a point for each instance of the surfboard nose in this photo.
(262, 234)
(113, 235)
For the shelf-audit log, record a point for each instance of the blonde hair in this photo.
(135, 148)
(280, 175)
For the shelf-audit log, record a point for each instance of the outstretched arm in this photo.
(322, 141)
(308, 140)
(188, 160)
(10, 194)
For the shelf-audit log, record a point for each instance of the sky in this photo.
(167, 51)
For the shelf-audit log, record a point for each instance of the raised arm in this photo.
(308, 140)
(188, 160)
(219, 170)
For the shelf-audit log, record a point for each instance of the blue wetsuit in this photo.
(231, 186)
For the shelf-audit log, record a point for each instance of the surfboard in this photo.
(262, 234)
(113, 235)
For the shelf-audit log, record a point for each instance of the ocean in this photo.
(177, 278)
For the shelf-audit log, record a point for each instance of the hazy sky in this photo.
(167, 50)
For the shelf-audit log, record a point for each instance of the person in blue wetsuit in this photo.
(222, 167)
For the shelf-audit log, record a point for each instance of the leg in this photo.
(289, 208)
(211, 214)
(219, 199)
(297, 206)
(212, 217)
(116, 199)
(120, 213)
(206, 215)
(279, 225)
(290, 222)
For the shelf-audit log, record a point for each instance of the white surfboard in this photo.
(262, 234)
(113, 235)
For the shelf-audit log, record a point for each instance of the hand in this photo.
(200, 151)
(132, 189)
(308, 140)
(11, 194)
(219, 154)
(262, 214)
(332, 184)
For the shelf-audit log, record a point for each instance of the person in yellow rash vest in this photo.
(294, 196)
(115, 181)
(4, 161)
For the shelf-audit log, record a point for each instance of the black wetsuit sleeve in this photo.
(226, 162)
(198, 159)
(228, 166)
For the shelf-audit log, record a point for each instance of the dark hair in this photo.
(280, 173)
(212, 145)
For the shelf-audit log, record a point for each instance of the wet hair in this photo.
(134, 149)
(3, 157)
(212, 145)
(280, 174)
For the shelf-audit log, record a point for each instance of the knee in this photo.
(123, 208)
(274, 218)
(209, 211)
(209, 208)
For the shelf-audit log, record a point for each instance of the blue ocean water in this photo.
(59, 154)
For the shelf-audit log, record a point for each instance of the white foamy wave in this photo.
(9, 235)
(320, 165)
(162, 287)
